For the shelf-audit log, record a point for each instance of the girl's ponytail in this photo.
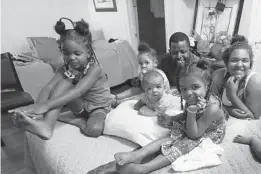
(82, 28)
(60, 26)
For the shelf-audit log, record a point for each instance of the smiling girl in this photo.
(237, 86)
(79, 84)
(203, 117)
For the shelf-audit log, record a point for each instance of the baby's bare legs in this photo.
(137, 156)
(253, 142)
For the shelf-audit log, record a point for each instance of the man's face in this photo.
(180, 52)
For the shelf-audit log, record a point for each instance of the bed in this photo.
(68, 151)
(118, 59)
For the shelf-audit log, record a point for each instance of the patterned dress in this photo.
(180, 144)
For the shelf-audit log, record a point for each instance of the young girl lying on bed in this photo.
(147, 58)
(253, 142)
(80, 84)
(155, 100)
(203, 117)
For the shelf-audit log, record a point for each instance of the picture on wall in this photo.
(209, 21)
(105, 5)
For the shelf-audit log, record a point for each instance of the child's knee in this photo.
(94, 130)
(95, 124)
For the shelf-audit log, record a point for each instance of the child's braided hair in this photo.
(200, 68)
(80, 33)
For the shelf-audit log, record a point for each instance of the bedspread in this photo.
(118, 60)
(68, 151)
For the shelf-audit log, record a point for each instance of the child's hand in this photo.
(241, 114)
(232, 84)
(175, 92)
(192, 109)
(202, 103)
(164, 121)
(141, 111)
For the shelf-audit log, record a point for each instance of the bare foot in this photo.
(123, 158)
(242, 139)
(131, 168)
(37, 127)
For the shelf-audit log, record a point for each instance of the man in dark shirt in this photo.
(178, 57)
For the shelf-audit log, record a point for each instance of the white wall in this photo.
(114, 24)
(244, 26)
(23, 18)
(179, 15)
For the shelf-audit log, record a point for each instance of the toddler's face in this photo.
(192, 87)
(146, 63)
(154, 89)
(75, 54)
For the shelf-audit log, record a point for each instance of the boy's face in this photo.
(180, 52)
(154, 88)
(146, 63)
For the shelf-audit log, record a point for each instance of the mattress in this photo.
(68, 151)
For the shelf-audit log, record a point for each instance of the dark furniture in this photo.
(12, 93)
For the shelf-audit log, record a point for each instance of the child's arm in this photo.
(167, 120)
(253, 97)
(44, 94)
(196, 128)
(178, 117)
(237, 113)
(232, 87)
(147, 112)
(80, 89)
(217, 80)
(139, 105)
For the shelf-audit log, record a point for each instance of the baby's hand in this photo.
(164, 121)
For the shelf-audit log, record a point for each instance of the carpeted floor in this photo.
(12, 154)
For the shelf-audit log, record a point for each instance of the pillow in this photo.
(97, 35)
(47, 50)
(125, 122)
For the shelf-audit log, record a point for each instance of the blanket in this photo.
(205, 155)
(236, 158)
(68, 151)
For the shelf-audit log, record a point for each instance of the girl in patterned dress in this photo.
(80, 84)
(203, 117)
